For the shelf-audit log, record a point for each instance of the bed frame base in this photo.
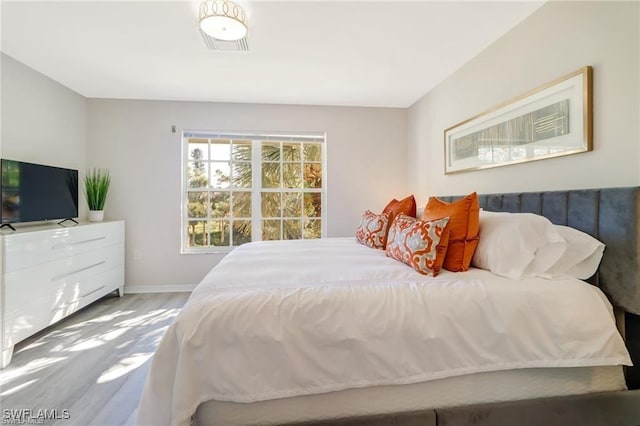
(599, 409)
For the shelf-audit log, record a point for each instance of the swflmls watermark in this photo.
(30, 416)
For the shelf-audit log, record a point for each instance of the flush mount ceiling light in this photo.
(223, 20)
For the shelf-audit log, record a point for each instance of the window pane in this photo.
(313, 175)
(270, 230)
(197, 204)
(241, 232)
(313, 228)
(312, 152)
(220, 150)
(241, 175)
(291, 229)
(291, 151)
(219, 204)
(271, 175)
(196, 234)
(313, 204)
(270, 204)
(241, 150)
(198, 149)
(241, 204)
(291, 204)
(220, 174)
(197, 173)
(271, 151)
(219, 232)
(219, 190)
(292, 175)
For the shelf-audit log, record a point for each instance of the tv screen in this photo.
(34, 192)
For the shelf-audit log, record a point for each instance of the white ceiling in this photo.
(323, 53)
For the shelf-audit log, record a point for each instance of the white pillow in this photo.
(517, 245)
(582, 258)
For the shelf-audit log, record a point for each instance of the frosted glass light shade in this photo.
(223, 20)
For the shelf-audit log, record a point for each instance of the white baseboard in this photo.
(179, 288)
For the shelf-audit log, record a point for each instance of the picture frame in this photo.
(553, 120)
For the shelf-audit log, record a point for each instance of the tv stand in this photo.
(8, 225)
(66, 219)
(49, 273)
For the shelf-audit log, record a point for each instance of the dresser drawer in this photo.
(29, 249)
(95, 287)
(44, 310)
(63, 280)
(33, 317)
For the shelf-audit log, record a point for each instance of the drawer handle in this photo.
(92, 291)
(66, 305)
(68, 274)
(62, 246)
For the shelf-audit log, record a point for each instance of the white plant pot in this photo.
(96, 215)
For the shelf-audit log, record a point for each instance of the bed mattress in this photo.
(477, 388)
(287, 319)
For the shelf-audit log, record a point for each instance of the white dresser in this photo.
(50, 271)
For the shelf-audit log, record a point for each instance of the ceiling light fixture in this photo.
(223, 20)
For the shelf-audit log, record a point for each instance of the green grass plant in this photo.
(96, 185)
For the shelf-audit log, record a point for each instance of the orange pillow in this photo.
(420, 244)
(464, 227)
(405, 206)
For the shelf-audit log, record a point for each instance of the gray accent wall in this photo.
(42, 121)
(366, 167)
(557, 39)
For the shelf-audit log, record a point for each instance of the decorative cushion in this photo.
(373, 229)
(517, 245)
(463, 228)
(418, 243)
(405, 206)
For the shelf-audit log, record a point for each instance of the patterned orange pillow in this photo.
(420, 244)
(464, 228)
(373, 229)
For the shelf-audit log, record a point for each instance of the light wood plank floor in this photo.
(94, 363)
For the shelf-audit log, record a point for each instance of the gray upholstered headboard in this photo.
(611, 215)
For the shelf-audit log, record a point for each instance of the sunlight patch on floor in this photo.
(100, 319)
(124, 366)
(7, 392)
(149, 318)
(13, 372)
(94, 342)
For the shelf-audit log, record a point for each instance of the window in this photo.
(242, 188)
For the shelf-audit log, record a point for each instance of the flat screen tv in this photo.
(35, 192)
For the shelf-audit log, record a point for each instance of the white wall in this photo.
(366, 160)
(559, 38)
(42, 121)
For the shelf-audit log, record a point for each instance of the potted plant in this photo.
(96, 187)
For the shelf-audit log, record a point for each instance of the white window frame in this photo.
(256, 184)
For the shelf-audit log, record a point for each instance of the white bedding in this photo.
(282, 319)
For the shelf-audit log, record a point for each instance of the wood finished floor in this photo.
(94, 363)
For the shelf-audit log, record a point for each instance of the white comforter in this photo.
(281, 319)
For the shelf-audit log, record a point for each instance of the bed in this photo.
(323, 331)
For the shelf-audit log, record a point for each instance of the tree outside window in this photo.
(226, 205)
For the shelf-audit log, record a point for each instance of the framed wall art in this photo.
(553, 120)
